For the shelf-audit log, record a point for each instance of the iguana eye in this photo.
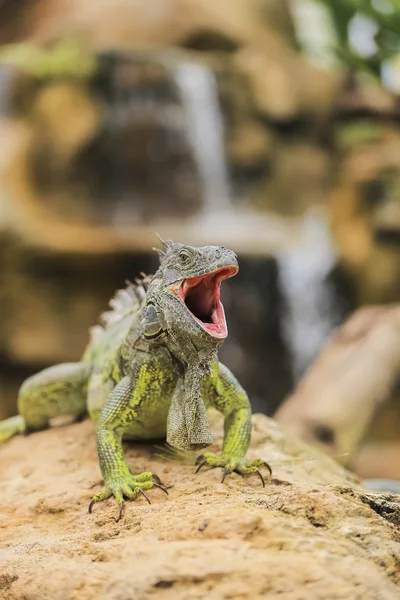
(184, 256)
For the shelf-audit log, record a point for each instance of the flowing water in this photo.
(199, 94)
(310, 308)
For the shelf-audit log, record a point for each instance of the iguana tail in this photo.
(11, 427)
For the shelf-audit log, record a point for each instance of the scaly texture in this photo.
(150, 371)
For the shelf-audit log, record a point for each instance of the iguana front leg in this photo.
(224, 392)
(119, 411)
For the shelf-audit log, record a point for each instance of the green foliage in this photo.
(384, 14)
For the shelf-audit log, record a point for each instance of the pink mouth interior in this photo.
(201, 296)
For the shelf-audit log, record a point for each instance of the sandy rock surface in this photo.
(311, 533)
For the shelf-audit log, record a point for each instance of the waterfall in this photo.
(199, 94)
(311, 309)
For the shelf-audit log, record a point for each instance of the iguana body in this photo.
(149, 372)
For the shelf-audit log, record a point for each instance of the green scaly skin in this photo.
(149, 356)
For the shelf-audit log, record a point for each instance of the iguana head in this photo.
(187, 289)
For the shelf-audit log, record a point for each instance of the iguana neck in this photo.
(184, 339)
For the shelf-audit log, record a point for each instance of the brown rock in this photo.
(311, 533)
(355, 373)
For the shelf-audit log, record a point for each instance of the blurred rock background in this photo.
(270, 126)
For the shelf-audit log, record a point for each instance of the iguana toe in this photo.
(232, 465)
(98, 498)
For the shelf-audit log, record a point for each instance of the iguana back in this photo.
(110, 344)
(108, 337)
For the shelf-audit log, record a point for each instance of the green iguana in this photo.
(149, 371)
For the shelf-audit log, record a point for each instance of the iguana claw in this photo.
(231, 465)
(201, 461)
(163, 488)
(145, 495)
(226, 472)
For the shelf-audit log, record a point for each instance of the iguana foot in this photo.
(128, 486)
(232, 465)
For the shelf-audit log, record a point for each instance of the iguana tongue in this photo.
(187, 425)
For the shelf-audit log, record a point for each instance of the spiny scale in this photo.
(125, 301)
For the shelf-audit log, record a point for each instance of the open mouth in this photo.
(201, 296)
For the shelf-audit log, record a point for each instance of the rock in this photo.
(311, 533)
(365, 225)
(356, 372)
(274, 94)
(49, 301)
(299, 180)
(379, 461)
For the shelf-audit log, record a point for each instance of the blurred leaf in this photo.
(387, 36)
(68, 57)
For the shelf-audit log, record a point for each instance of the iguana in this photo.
(149, 371)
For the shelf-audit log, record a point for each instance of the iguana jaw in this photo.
(201, 297)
